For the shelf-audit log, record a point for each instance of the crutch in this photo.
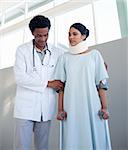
(61, 135)
(100, 113)
(107, 133)
(63, 115)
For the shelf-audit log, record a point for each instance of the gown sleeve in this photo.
(60, 72)
(101, 75)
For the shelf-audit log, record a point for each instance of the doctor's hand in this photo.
(56, 84)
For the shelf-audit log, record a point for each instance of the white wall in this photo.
(7, 93)
(127, 91)
(116, 56)
(9, 41)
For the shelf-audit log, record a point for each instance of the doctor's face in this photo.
(75, 36)
(41, 37)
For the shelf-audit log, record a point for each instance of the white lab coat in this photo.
(33, 97)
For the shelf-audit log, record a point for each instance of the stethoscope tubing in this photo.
(33, 53)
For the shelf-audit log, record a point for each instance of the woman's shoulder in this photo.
(65, 54)
(63, 57)
(95, 51)
(97, 56)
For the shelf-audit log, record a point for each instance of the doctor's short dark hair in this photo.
(39, 21)
(81, 28)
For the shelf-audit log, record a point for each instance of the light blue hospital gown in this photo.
(83, 129)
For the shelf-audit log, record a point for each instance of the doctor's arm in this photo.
(31, 80)
(55, 84)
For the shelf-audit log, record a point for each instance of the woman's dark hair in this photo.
(83, 30)
(39, 21)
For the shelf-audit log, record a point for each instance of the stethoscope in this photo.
(48, 60)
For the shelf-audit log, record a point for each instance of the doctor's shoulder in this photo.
(25, 47)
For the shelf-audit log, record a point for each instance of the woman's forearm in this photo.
(62, 115)
(60, 101)
(103, 98)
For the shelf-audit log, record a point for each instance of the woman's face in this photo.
(75, 36)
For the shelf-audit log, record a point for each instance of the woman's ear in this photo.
(83, 37)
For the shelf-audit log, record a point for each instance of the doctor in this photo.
(35, 96)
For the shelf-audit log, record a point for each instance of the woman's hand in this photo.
(103, 114)
(62, 115)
